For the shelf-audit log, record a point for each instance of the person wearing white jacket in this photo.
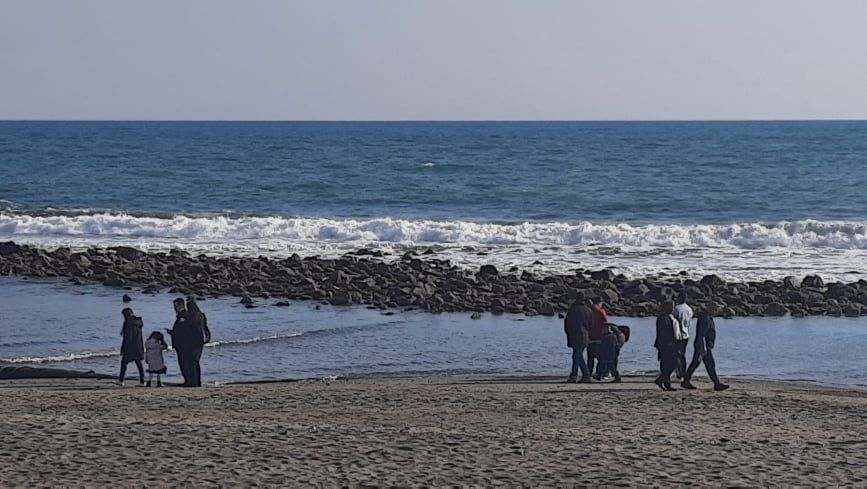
(154, 348)
(683, 313)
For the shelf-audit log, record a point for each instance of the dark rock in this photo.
(791, 282)
(128, 253)
(10, 248)
(488, 270)
(250, 305)
(852, 310)
(813, 281)
(713, 281)
(126, 298)
(606, 275)
(341, 299)
(475, 315)
(776, 309)
(283, 304)
(546, 309)
(246, 300)
(114, 282)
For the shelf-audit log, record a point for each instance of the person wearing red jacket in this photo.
(598, 329)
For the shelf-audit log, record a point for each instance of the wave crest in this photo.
(215, 231)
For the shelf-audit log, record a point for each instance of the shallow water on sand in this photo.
(77, 327)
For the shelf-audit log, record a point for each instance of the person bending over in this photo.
(608, 353)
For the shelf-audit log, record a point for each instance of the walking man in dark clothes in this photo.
(666, 346)
(705, 337)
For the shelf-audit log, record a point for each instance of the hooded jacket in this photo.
(132, 346)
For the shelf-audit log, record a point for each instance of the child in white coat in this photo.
(154, 347)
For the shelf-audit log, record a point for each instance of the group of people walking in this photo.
(189, 334)
(672, 339)
(588, 330)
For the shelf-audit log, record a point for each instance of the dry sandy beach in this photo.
(437, 430)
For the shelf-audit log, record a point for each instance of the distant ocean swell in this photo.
(186, 231)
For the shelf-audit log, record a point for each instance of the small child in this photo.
(609, 351)
(154, 356)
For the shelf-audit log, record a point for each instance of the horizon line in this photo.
(432, 120)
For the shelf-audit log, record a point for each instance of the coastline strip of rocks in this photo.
(427, 283)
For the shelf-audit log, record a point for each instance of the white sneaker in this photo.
(119, 382)
(141, 384)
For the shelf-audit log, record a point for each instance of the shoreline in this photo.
(515, 430)
(423, 282)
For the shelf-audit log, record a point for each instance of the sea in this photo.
(744, 200)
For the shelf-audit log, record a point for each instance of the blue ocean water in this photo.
(746, 200)
(507, 172)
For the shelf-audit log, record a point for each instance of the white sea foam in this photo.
(65, 357)
(255, 339)
(748, 236)
(743, 249)
(86, 355)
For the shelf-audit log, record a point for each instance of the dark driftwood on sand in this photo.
(15, 372)
(424, 282)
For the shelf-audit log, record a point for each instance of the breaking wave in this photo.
(213, 231)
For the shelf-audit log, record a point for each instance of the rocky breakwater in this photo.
(430, 284)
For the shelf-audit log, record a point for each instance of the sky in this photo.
(433, 59)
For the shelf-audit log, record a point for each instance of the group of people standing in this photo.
(189, 334)
(587, 329)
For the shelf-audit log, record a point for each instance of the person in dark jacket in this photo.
(577, 326)
(705, 338)
(666, 346)
(608, 352)
(197, 324)
(181, 339)
(132, 346)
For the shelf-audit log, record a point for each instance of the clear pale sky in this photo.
(433, 59)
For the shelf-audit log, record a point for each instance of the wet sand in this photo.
(436, 430)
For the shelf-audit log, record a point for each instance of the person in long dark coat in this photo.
(666, 346)
(132, 346)
(577, 327)
(181, 340)
(197, 324)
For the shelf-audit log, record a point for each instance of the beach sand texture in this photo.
(436, 430)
